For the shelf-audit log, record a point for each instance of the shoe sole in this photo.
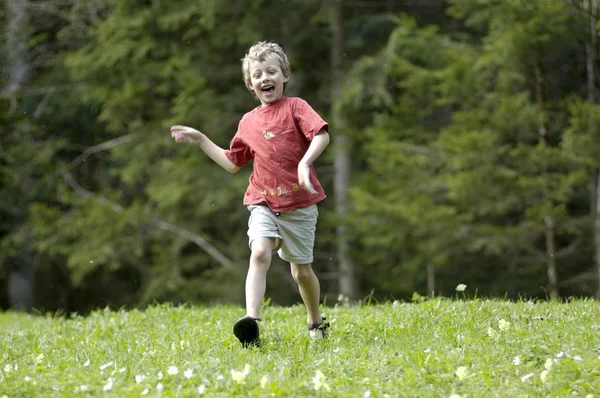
(246, 330)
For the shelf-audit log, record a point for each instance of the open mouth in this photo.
(268, 89)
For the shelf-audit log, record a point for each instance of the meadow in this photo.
(439, 347)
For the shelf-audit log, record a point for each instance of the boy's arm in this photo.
(215, 152)
(317, 145)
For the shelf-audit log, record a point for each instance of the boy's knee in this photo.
(302, 273)
(261, 252)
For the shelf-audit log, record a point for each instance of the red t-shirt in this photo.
(277, 137)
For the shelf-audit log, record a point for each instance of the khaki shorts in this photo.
(295, 229)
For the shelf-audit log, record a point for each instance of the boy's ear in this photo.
(286, 79)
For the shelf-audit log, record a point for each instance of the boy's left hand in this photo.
(304, 178)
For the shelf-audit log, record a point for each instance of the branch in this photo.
(588, 275)
(156, 221)
(197, 239)
(99, 148)
(32, 92)
(580, 7)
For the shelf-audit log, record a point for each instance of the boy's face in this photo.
(266, 79)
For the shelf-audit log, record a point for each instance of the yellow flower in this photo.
(264, 381)
(461, 372)
(319, 382)
(544, 376)
(8, 369)
(548, 364)
(240, 376)
(503, 324)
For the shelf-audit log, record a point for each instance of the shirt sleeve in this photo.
(307, 119)
(239, 153)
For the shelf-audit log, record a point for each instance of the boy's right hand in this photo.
(186, 134)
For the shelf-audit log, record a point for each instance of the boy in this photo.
(284, 136)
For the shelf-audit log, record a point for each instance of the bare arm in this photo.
(317, 145)
(215, 152)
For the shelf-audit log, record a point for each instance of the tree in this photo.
(21, 274)
(346, 278)
(453, 120)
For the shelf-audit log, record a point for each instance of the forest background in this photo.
(465, 148)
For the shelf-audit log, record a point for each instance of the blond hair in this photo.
(260, 52)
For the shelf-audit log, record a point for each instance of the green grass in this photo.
(394, 349)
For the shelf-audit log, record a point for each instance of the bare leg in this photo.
(310, 290)
(256, 280)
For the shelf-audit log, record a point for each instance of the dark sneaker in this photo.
(318, 331)
(246, 330)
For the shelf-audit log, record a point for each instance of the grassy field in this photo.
(433, 348)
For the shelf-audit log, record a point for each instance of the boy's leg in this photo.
(310, 290)
(246, 328)
(256, 280)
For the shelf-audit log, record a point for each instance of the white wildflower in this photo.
(159, 376)
(544, 376)
(517, 360)
(172, 370)
(188, 374)
(454, 396)
(201, 389)
(27, 379)
(526, 377)
(560, 355)
(367, 394)
(145, 392)
(577, 358)
(461, 372)
(106, 365)
(109, 385)
(87, 363)
(159, 387)
(122, 370)
(461, 287)
(139, 378)
(492, 333)
(8, 369)
(548, 364)
(83, 388)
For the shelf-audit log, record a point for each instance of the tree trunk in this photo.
(21, 275)
(548, 221)
(591, 94)
(16, 48)
(430, 280)
(347, 279)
